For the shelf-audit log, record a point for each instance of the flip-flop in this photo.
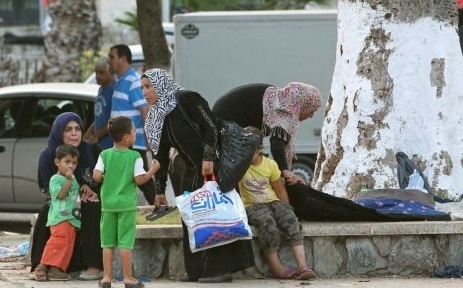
(305, 273)
(160, 211)
(289, 273)
(139, 284)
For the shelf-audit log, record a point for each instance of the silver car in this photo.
(27, 113)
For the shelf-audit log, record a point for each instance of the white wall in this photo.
(108, 10)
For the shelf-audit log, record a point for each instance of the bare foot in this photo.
(94, 271)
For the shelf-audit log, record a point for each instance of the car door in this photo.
(42, 112)
(10, 122)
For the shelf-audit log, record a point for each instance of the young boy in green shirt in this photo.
(64, 191)
(121, 170)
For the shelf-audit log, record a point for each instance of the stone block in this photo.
(333, 249)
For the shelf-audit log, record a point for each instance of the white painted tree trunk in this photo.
(397, 86)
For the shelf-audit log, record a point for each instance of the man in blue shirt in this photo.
(98, 131)
(128, 101)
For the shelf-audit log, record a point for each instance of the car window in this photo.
(33, 117)
(10, 117)
(46, 111)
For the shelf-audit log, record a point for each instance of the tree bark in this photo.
(152, 38)
(396, 87)
(9, 68)
(75, 28)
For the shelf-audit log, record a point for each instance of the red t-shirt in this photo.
(460, 4)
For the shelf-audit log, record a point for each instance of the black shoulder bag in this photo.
(236, 148)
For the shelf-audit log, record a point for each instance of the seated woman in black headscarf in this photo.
(67, 129)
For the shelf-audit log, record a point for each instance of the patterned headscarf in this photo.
(282, 107)
(165, 88)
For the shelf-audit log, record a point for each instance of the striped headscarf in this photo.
(165, 88)
(282, 107)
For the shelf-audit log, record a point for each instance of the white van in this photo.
(217, 51)
(138, 60)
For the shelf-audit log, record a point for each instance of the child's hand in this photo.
(69, 175)
(87, 194)
(155, 165)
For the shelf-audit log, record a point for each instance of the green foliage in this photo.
(87, 63)
(224, 5)
(130, 20)
(130, 17)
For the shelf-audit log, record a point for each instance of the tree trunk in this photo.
(9, 68)
(75, 28)
(152, 38)
(396, 87)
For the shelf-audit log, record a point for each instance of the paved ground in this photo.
(14, 273)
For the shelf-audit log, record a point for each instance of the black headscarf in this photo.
(47, 167)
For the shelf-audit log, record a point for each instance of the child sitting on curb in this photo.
(267, 206)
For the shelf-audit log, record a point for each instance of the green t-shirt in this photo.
(119, 190)
(61, 210)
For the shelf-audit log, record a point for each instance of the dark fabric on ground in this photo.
(312, 205)
(448, 272)
(401, 194)
(392, 206)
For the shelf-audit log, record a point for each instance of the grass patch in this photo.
(172, 218)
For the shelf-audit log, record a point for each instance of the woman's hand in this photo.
(87, 194)
(292, 178)
(160, 200)
(208, 168)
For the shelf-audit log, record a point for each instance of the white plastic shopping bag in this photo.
(213, 218)
(416, 182)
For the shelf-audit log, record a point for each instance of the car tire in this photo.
(304, 167)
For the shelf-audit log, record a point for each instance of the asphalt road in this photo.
(15, 222)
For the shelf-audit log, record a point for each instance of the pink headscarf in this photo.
(282, 107)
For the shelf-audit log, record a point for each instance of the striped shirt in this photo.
(127, 101)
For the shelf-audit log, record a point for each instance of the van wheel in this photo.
(304, 167)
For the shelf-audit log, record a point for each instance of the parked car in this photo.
(27, 113)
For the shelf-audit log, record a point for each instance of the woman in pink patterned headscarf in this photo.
(277, 111)
(286, 107)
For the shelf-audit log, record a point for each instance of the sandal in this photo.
(305, 273)
(40, 273)
(160, 211)
(289, 273)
